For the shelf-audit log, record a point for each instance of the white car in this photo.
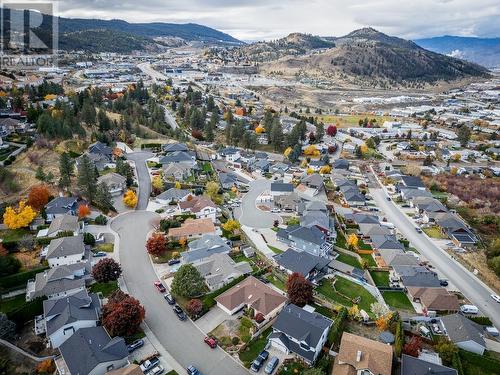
(496, 297)
(275, 210)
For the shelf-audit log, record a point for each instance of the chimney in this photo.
(358, 356)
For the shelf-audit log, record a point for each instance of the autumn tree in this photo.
(413, 346)
(194, 307)
(158, 184)
(212, 189)
(106, 270)
(83, 211)
(446, 350)
(38, 197)
(231, 225)
(312, 151)
(46, 367)
(156, 244)
(325, 169)
(352, 241)
(382, 322)
(20, 216)
(123, 317)
(300, 291)
(331, 131)
(130, 199)
(353, 312)
(188, 282)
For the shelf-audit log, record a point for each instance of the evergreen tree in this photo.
(277, 135)
(87, 178)
(103, 197)
(320, 131)
(65, 170)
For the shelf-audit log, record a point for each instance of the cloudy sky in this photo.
(270, 19)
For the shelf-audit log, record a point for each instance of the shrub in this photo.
(194, 307)
(235, 340)
(188, 282)
(88, 239)
(101, 220)
(259, 318)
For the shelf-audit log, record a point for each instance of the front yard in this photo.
(398, 300)
(254, 347)
(434, 232)
(275, 249)
(105, 288)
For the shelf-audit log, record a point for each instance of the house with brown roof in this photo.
(359, 355)
(192, 228)
(253, 293)
(434, 299)
(132, 369)
(202, 207)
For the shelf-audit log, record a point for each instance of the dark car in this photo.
(418, 230)
(388, 198)
(259, 361)
(180, 313)
(171, 262)
(191, 370)
(159, 286)
(135, 345)
(168, 297)
(443, 282)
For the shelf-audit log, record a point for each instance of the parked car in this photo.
(191, 370)
(271, 365)
(149, 364)
(419, 230)
(159, 286)
(443, 282)
(259, 361)
(171, 262)
(210, 341)
(158, 370)
(100, 254)
(135, 345)
(388, 198)
(275, 210)
(469, 309)
(180, 313)
(169, 298)
(496, 297)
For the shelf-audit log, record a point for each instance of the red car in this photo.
(210, 341)
(160, 287)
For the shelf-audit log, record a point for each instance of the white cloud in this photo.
(261, 19)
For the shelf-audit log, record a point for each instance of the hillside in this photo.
(376, 59)
(484, 51)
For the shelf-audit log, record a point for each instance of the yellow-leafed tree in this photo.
(177, 185)
(325, 169)
(231, 225)
(20, 217)
(310, 170)
(158, 183)
(130, 199)
(364, 148)
(352, 241)
(312, 150)
(287, 152)
(260, 129)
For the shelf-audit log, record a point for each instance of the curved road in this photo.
(182, 340)
(248, 214)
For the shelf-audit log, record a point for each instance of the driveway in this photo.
(144, 180)
(182, 340)
(248, 214)
(472, 288)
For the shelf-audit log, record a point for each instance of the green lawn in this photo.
(381, 278)
(398, 300)
(275, 249)
(207, 167)
(106, 247)
(349, 259)
(105, 288)
(253, 349)
(475, 364)
(341, 242)
(9, 235)
(276, 281)
(349, 289)
(364, 246)
(12, 304)
(291, 368)
(434, 232)
(369, 260)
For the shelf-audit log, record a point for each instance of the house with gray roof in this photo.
(115, 182)
(368, 230)
(176, 171)
(60, 206)
(464, 333)
(380, 242)
(313, 181)
(64, 316)
(228, 180)
(281, 188)
(320, 220)
(279, 168)
(205, 247)
(455, 229)
(91, 351)
(407, 194)
(259, 165)
(338, 266)
(100, 161)
(63, 224)
(341, 164)
(416, 366)
(397, 257)
(219, 269)
(417, 276)
(173, 195)
(65, 251)
(299, 238)
(288, 202)
(310, 266)
(413, 182)
(100, 149)
(174, 147)
(184, 157)
(300, 332)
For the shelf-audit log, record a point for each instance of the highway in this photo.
(472, 288)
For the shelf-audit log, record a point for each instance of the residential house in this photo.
(91, 351)
(280, 188)
(59, 281)
(434, 299)
(429, 208)
(455, 229)
(384, 242)
(279, 168)
(416, 366)
(411, 182)
(179, 157)
(61, 206)
(174, 147)
(116, 183)
(417, 276)
(64, 316)
(287, 202)
(341, 164)
(398, 257)
(299, 238)
(310, 266)
(229, 154)
(192, 228)
(132, 369)
(200, 206)
(173, 195)
(316, 165)
(228, 180)
(251, 293)
(337, 266)
(314, 181)
(464, 333)
(259, 166)
(176, 171)
(65, 250)
(368, 230)
(350, 191)
(101, 149)
(63, 224)
(301, 332)
(361, 218)
(100, 161)
(204, 247)
(219, 269)
(360, 355)
(408, 194)
(316, 214)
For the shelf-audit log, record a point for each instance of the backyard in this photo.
(368, 258)
(380, 278)
(349, 259)
(398, 300)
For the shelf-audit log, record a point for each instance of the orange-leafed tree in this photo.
(122, 317)
(20, 216)
(156, 244)
(46, 367)
(83, 211)
(300, 291)
(38, 197)
(182, 242)
(130, 199)
(3, 251)
(413, 346)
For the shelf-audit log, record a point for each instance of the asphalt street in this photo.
(182, 340)
(248, 214)
(143, 176)
(472, 288)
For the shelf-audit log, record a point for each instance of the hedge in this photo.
(19, 279)
(481, 320)
(26, 313)
(483, 362)
(337, 328)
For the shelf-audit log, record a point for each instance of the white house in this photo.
(201, 207)
(65, 251)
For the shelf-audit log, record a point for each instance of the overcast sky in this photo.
(270, 19)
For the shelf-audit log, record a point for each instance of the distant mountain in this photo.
(97, 35)
(484, 51)
(369, 56)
